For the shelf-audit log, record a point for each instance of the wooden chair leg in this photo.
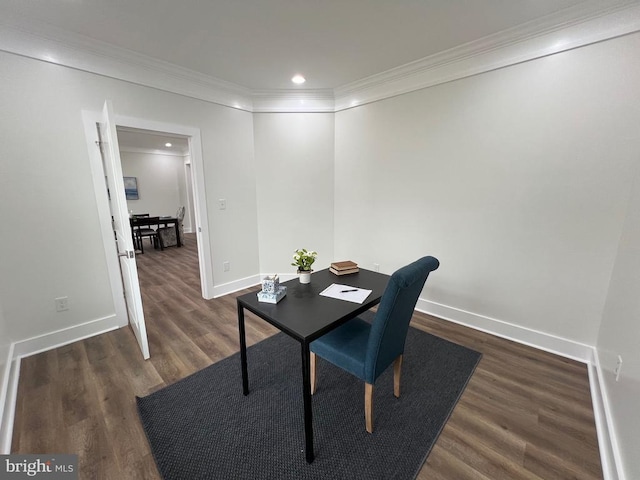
(312, 367)
(368, 406)
(397, 368)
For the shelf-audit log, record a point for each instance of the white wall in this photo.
(294, 161)
(161, 182)
(55, 245)
(517, 180)
(620, 335)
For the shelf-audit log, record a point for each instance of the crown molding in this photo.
(565, 30)
(288, 101)
(47, 43)
(570, 28)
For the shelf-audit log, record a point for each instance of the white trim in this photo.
(153, 151)
(557, 33)
(234, 286)
(199, 189)
(287, 101)
(248, 282)
(527, 336)
(64, 336)
(570, 28)
(9, 410)
(282, 277)
(4, 379)
(197, 164)
(5, 398)
(607, 438)
(32, 346)
(41, 41)
(200, 214)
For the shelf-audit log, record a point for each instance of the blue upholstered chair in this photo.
(366, 350)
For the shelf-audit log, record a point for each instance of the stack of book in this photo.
(272, 291)
(344, 268)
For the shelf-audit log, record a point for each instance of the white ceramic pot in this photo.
(305, 277)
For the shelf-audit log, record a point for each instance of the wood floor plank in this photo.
(474, 452)
(510, 445)
(526, 414)
(443, 464)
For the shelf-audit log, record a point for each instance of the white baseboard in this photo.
(9, 407)
(6, 403)
(64, 336)
(527, 336)
(31, 346)
(226, 288)
(607, 439)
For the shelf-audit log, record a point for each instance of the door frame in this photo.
(90, 119)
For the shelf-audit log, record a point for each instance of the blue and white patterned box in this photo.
(270, 284)
(267, 297)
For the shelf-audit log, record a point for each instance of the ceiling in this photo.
(261, 44)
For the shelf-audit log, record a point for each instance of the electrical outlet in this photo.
(222, 203)
(376, 267)
(618, 368)
(226, 266)
(62, 304)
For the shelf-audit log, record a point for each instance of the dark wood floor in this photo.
(525, 414)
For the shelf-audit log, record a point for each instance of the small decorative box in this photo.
(267, 297)
(270, 284)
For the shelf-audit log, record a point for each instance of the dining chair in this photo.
(134, 227)
(169, 235)
(147, 231)
(366, 349)
(180, 216)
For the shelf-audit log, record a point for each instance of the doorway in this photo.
(161, 165)
(198, 200)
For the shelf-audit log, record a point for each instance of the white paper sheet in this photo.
(346, 292)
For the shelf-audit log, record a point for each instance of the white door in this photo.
(122, 229)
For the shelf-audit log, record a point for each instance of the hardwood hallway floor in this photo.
(525, 414)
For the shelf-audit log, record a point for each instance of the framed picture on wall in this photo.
(131, 188)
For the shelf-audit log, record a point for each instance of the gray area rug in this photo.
(202, 427)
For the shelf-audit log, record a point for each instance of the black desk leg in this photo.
(306, 394)
(178, 242)
(243, 351)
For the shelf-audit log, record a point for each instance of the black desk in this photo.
(148, 221)
(305, 315)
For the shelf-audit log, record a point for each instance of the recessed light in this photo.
(167, 144)
(298, 79)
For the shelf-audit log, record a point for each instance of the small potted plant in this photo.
(303, 259)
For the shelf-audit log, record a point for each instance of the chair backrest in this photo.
(391, 323)
(180, 213)
(144, 224)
